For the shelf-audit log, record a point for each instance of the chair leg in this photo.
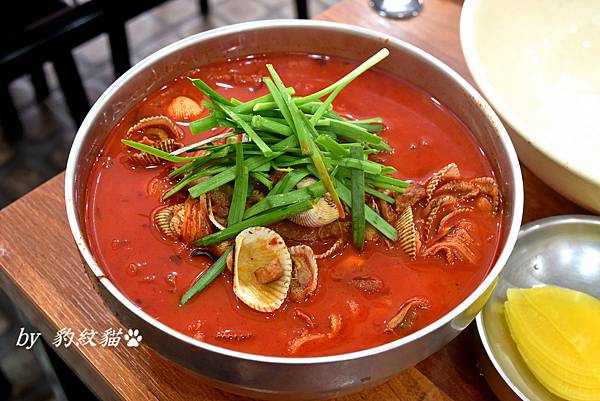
(9, 117)
(119, 49)
(38, 79)
(71, 85)
(301, 9)
(204, 8)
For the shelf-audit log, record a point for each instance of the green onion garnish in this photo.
(270, 217)
(240, 189)
(358, 200)
(208, 277)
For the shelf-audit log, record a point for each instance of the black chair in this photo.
(36, 31)
(301, 8)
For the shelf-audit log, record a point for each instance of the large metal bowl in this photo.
(277, 377)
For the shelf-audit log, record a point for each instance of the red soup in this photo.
(447, 214)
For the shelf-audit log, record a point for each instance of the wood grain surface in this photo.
(41, 270)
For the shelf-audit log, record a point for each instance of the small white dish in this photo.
(537, 63)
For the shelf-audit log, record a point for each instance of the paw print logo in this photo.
(133, 338)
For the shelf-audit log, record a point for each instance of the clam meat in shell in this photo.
(262, 250)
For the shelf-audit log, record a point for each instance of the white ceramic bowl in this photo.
(538, 64)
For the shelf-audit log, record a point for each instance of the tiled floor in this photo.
(49, 130)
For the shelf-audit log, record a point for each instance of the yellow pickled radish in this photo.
(540, 332)
(566, 360)
(575, 315)
(531, 351)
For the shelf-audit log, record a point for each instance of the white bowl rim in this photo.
(508, 114)
(511, 233)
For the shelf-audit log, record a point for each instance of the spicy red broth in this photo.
(154, 271)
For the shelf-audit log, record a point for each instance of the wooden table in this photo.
(41, 271)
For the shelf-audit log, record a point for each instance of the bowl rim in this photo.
(508, 114)
(76, 151)
(527, 229)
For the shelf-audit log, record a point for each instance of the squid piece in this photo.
(472, 189)
(408, 314)
(458, 244)
(237, 79)
(335, 326)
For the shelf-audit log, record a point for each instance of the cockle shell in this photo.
(186, 221)
(449, 171)
(169, 220)
(156, 128)
(323, 212)
(182, 108)
(407, 233)
(257, 247)
(305, 273)
(146, 159)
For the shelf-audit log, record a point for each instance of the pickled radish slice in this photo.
(557, 332)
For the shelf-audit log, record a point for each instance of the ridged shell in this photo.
(256, 247)
(334, 248)
(146, 159)
(156, 128)
(449, 171)
(184, 108)
(169, 220)
(303, 260)
(407, 233)
(323, 212)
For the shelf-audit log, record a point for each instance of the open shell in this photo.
(256, 247)
(186, 221)
(449, 171)
(304, 273)
(407, 233)
(146, 159)
(170, 219)
(156, 128)
(323, 212)
(182, 108)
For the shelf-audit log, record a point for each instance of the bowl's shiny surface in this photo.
(277, 377)
(563, 251)
(536, 62)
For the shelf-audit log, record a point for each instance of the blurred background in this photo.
(37, 123)
(56, 59)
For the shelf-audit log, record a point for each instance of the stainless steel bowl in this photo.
(294, 378)
(563, 251)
